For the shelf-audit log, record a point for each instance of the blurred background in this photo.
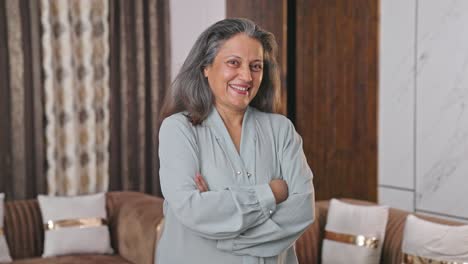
(377, 90)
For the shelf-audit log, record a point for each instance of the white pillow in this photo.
(429, 240)
(77, 238)
(363, 228)
(4, 251)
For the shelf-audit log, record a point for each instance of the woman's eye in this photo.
(257, 67)
(233, 62)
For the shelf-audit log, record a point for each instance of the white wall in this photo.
(423, 117)
(188, 19)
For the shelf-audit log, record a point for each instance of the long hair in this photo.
(190, 90)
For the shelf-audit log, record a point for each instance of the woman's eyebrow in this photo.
(230, 56)
(238, 57)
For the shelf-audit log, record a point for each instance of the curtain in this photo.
(47, 92)
(76, 83)
(21, 101)
(139, 77)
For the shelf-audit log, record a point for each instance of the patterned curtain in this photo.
(76, 83)
(139, 77)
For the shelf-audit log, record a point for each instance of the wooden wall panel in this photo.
(336, 94)
(272, 16)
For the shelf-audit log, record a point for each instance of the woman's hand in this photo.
(278, 187)
(280, 190)
(201, 184)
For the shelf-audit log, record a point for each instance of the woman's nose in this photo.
(245, 74)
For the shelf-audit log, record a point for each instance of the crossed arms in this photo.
(259, 220)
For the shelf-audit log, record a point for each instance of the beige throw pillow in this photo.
(75, 225)
(354, 233)
(4, 250)
(427, 241)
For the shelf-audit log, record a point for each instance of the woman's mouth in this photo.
(240, 89)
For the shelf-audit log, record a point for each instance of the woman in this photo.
(236, 182)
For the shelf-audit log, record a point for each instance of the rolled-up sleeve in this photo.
(292, 216)
(217, 215)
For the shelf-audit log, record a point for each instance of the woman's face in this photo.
(236, 72)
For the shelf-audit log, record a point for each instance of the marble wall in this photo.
(423, 125)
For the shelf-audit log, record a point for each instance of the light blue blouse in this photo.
(237, 220)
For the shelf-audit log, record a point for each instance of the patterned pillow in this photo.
(428, 242)
(75, 225)
(354, 233)
(4, 250)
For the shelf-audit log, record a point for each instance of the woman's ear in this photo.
(205, 71)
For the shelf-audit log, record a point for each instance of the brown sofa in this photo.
(133, 219)
(309, 245)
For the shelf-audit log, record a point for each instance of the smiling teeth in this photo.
(239, 88)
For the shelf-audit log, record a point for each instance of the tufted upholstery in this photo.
(133, 218)
(23, 229)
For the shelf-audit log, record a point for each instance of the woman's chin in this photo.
(242, 106)
(238, 106)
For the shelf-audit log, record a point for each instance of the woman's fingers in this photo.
(200, 182)
(203, 183)
(197, 182)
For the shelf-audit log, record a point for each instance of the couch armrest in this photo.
(309, 244)
(134, 223)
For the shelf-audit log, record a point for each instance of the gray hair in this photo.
(190, 90)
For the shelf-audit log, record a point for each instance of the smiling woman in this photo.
(237, 185)
(236, 73)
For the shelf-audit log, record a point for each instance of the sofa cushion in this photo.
(76, 259)
(75, 225)
(354, 233)
(431, 241)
